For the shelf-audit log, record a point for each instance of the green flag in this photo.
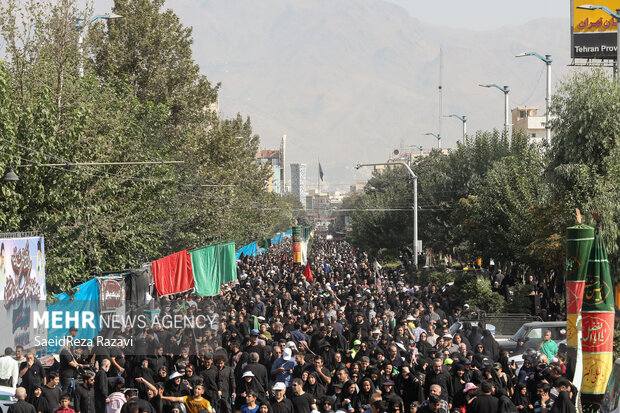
(227, 265)
(206, 272)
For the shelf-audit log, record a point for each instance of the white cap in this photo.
(175, 375)
(286, 354)
(465, 305)
(410, 318)
(247, 374)
(279, 386)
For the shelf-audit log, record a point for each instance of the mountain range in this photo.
(348, 81)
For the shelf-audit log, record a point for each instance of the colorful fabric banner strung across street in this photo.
(213, 266)
(250, 250)
(173, 274)
(597, 327)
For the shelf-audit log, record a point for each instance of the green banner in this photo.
(206, 277)
(579, 240)
(226, 262)
(212, 267)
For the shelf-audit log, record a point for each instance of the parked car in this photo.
(532, 334)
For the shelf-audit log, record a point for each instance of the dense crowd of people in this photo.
(353, 338)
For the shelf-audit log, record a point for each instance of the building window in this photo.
(533, 135)
(521, 113)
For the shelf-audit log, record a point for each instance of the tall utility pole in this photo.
(440, 91)
(547, 59)
(505, 90)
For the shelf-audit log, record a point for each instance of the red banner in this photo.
(574, 296)
(598, 332)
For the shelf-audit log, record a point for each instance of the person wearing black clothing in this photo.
(52, 392)
(226, 385)
(84, 396)
(21, 406)
(432, 406)
(485, 402)
(520, 399)
(101, 387)
(39, 401)
(491, 348)
(32, 373)
(68, 368)
(259, 371)
(436, 375)
(302, 402)
(279, 403)
(132, 398)
(209, 380)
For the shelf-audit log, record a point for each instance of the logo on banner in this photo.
(111, 295)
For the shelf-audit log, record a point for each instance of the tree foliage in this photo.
(142, 98)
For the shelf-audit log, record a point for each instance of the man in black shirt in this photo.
(32, 373)
(68, 368)
(279, 403)
(485, 402)
(209, 379)
(52, 392)
(101, 387)
(302, 402)
(84, 397)
(21, 406)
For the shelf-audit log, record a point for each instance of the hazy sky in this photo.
(483, 14)
(470, 14)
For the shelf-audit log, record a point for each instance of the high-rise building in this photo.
(298, 181)
(272, 158)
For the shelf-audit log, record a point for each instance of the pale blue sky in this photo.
(484, 14)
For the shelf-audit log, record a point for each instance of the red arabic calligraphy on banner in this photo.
(597, 335)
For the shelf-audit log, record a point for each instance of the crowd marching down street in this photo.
(348, 338)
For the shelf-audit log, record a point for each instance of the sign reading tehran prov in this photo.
(593, 32)
(22, 290)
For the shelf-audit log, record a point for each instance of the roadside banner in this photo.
(22, 291)
(597, 328)
(579, 240)
(297, 247)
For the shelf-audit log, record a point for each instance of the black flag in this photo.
(320, 172)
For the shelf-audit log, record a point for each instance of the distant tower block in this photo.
(298, 181)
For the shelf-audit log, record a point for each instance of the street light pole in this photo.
(464, 120)
(547, 59)
(616, 16)
(438, 137)
(419, 148)
(504, 89)
(80, 25)
(415, 203)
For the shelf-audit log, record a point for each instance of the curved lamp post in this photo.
(504, 89)
(81, 24)
(547, 59)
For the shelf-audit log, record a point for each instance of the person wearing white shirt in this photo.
(9, 369)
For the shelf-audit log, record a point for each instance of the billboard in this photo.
(593, 32)
(22, 290)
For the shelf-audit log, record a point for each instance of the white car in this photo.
(7, 398)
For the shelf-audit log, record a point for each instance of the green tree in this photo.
(584, 153)
(476, 291)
